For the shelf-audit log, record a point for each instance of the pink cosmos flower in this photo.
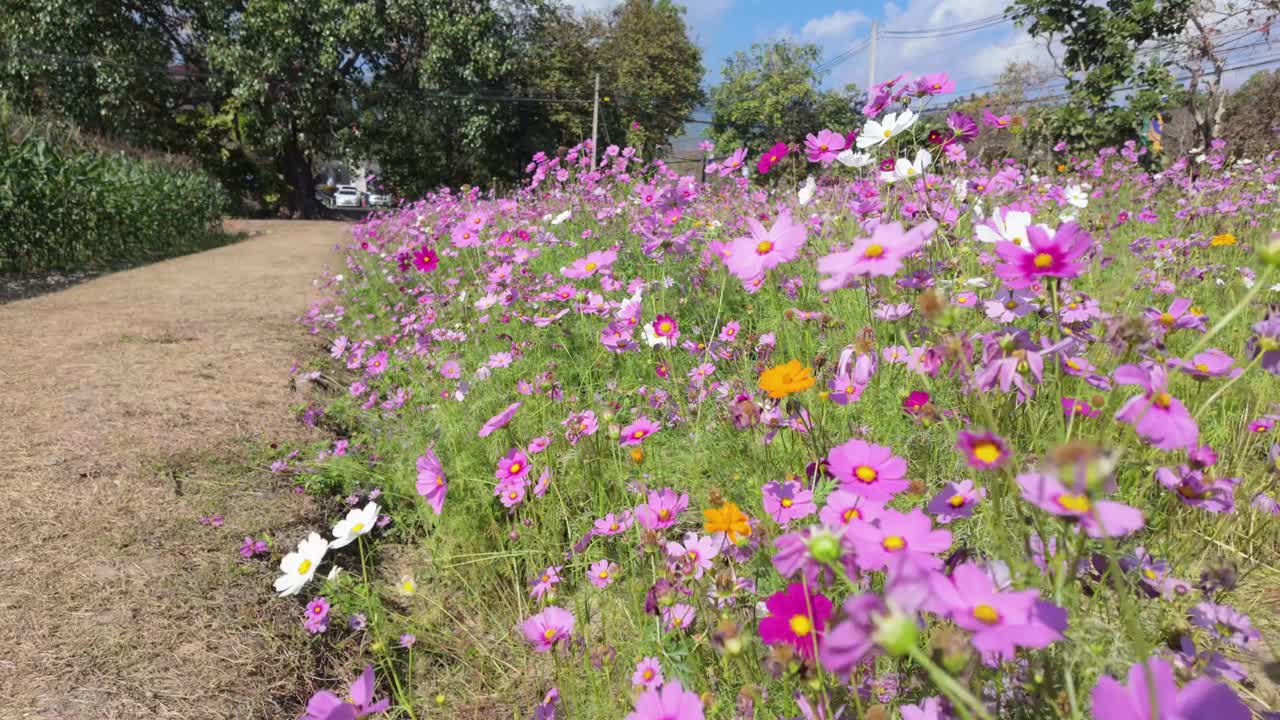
(695, 554)
(324, 705)
(432, 483)
(1210, 363)
(1103, 518)
(544, 482)
(733, 163)
(662, 509)
(1000, 622)
(824, 146)
(377, 364)
(545, 582)
(510, 492)
(648, 673)
(547, 628)
(772, 157)
(1157, 416)
(898, 537)
(938, 83)
(602, 573)
(788, 500)
(872, 471)
(984, 450)
(499, 421)
(678, 616)
(992, 120)
(877, 256)
(763, 249)
(1045, 257)
(580, 425)
(844, 508)
(613, 525)
(1180, 315)
(1200, 699)
(796, 617)
(639, 429)
(671, 702)
(513, 466)
(591, 264)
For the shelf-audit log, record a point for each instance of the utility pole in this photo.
(595, 123)
(871, 64)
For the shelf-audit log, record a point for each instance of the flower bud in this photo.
(824, 547)
(896, 633)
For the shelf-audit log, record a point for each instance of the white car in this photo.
(347, 196)
(380, 199)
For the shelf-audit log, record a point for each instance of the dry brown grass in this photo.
(129, 408)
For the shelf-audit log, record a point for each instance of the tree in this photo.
(771, 93)
(653, 68)
(1251, 121)
(1214, 29)
(1101, 60)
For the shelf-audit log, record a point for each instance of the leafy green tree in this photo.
(771, 93)
(1101, 61)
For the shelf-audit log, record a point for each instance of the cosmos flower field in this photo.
(865, 426)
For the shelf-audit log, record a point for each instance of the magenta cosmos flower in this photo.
(901, 537)
(648, 673)
(589, 265)
(499, 421)
(512, 466)
(1103, 518)
(984, 451)
(639, 429)
(1201, 699)
(1160, 418)
(324, 705)
(671, 702)
(877, 256)
(1000, 622)
(662, 509)
(872, 471)
(425, 259)
(796, 617)
(772, 157)
(823, 147)
(955, 501)
(762, 250)
(432, 484)
(787, 500)
(1044, 257)
(547, 628)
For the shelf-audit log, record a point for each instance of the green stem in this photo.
(948, 684)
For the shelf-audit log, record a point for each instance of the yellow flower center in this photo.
(801, 625)
(357, 527)
(304, 566)
(823, 147)
(956, 501)
(1074, 503)
(549, 634)
(546, 578)
(1073, 364)
(1163, 400)
(786, 502)
(638, 434)
(513, 495)
(648, 674)
(664, 326)
(874, 250)
(613, 526)
(986, 615)
(664, 514)
(1166, 319)
(1042, 260)
(893, 543)
(851, 513)
(515, 468)
(1202, 367)
(1010, 304)
(888, 132)
(591, 266)
(866, 474)
(318, 610)
(986, 451)
(764, 248)
(1149, 574)
(604, 574)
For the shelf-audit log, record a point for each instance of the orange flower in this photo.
(1222, 240)
(783, 380)
(727, 519)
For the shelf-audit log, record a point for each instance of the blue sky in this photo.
(722, 27)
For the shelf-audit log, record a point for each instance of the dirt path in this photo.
(127, 405)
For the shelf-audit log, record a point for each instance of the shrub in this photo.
(67, 201)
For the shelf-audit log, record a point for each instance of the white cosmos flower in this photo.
(299, 566)
(960, 189)
(1077, 196)
(849, 158)
(358, 522)
(562, 217)
(1011, 226)
(904, 169)
(977, 282)
(807, 190)
(877, 133)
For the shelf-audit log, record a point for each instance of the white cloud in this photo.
(836, 25)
